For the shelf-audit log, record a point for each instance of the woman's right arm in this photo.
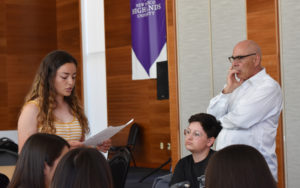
(27, 123)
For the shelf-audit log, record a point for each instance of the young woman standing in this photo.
(52, 105)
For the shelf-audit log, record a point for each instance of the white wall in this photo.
(207, 31)
(289, 14)
(12, 134)
(94, 69)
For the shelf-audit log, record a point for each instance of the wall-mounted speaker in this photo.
(162, 80)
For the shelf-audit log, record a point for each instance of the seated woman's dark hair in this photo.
(238, 166)
(39, 149)
(82, 168)
(210, 124)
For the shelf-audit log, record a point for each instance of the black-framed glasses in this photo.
(239, 58)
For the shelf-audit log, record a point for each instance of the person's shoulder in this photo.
(264, 82)
(31, 106)
(268, 79)
(35, 102)
(270, 84)
(184, 162)
(186, 159)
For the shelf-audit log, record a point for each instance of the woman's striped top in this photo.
(69, 131)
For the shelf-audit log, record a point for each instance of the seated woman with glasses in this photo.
(200, 135)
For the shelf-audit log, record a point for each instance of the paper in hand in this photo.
(105, 134)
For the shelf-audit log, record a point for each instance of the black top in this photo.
(187, 170)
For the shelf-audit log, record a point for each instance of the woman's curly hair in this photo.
(43, 90)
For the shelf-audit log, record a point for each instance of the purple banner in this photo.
(148, 30)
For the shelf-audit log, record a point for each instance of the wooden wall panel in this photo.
(69, 34)
(173, 81)
(28, 32)
(262, 27)
(3, 65)
(132, 99)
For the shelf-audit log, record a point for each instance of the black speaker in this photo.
(162, 80)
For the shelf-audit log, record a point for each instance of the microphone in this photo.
(182, 184)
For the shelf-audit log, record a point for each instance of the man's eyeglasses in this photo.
(239, 58)
(195, 134)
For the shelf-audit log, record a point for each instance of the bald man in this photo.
(249, 105)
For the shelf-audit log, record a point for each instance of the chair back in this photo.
(7, 157)
(119, 165)
(4, 181)
(8, 152)
(6, 143)
(133, 134)
(162, 181)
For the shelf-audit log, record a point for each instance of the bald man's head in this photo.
(250, 46)
(250, 62)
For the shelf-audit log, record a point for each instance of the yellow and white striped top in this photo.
(69, 131)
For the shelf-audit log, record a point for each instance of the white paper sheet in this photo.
(105, 134)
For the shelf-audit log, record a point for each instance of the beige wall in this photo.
(206, 33)
(289, 14)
